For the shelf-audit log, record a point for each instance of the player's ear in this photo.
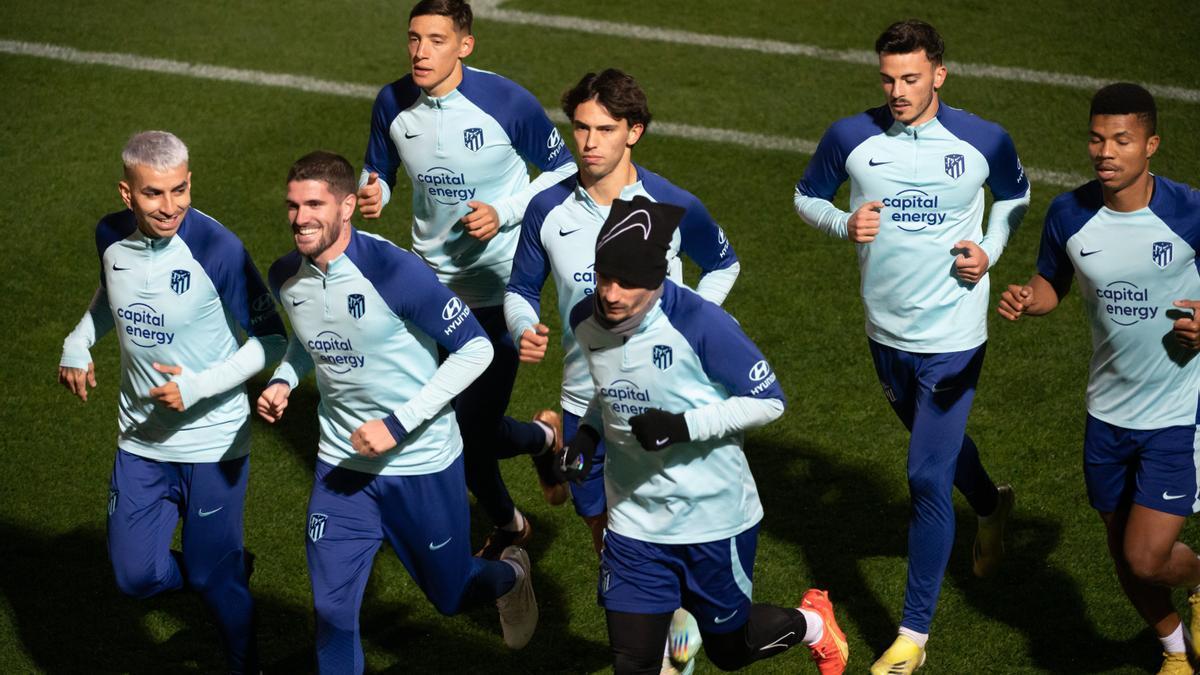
(126, 193)
(466, 47)
(347, 206)
(1152, 146)
(635, 134)
(939, 77)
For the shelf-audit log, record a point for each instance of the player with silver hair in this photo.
(173, 284)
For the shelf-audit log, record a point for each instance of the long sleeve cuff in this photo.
(456, 373)
(518, 315)
(822, 214)
(1003, 221)
(733, 415)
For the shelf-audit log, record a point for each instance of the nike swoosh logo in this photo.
(1169, 497)
(595, 349)
(205, 514)
(434, 547)
(937, 389)
(719, 620)
(874, 163)
(1084, 254)
(561, 233)
(778, 642)
(410, 136)
(119, 269)
(298, 302)
(661, 442)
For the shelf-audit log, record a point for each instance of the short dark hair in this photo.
(910, 35)
(1127, 98)
(617, 92)
(328, 167)
(458, 11)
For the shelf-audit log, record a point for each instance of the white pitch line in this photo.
(362, 91)
(489, 9)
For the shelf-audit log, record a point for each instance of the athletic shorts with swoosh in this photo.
(1155, 468)
(713, 580)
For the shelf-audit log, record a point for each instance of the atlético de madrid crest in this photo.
(473, 138)
(956, 165)
(1162, 252)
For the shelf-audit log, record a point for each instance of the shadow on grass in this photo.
(839, 516)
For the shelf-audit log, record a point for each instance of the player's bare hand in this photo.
(533, 344)
(370, 197)
(168, 394)
(1014, 300)
(372, 439)
(864, 223)
(77, 380)
(482, 222)
(1187, 328)
(273, 401)
(971, 262)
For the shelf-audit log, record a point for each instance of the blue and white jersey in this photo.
(469, 145)
(1131, 268)
(688, 356)
(180, 301)
(558, 237)
(371, 324)
(930, 179)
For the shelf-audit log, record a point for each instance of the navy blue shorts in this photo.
(713, 580)
(588, 497)
(1155, 468)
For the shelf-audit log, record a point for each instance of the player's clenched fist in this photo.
(372, 439)
(482, 222)
(533, 344)
(273, 402)
(864, 223)
(370, 197)
(970, 261)
(1014, 300)
(1187, 329)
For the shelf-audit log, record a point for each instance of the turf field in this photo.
(831, 472)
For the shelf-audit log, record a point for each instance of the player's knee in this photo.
(229, 571)
(1148, 566)
(727, 651)
(631, 663)
(448, 604)
(139, 581)
(926, 482)
(335, 614)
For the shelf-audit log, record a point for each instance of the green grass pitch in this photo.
(831, 472)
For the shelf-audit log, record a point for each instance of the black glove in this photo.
(656, 429)
(577, 456)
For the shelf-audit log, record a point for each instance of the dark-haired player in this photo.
(677, 384)
(369, 318)
(917, 169)
(609, 115)
(1130, 238)
(464, 137)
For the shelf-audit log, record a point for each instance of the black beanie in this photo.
(634, 239)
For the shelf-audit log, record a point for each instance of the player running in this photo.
(609, 115)
(1130, 238)
(369, 318)
(917, 169)
(464, 137)
(175, 285)
(677, 383)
